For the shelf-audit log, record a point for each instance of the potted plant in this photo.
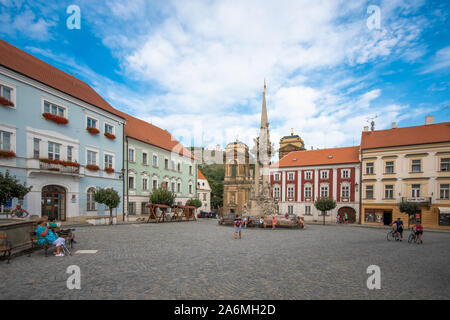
(92, 130)
(70, 164)
(55, 118)
(109, 170)
(5, 102)
(7, 154)
(110, 136)
(92, 167)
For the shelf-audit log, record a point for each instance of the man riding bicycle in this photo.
(399, 228)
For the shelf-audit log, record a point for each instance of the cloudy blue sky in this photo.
(196, 68)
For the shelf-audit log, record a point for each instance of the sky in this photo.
(197, 68)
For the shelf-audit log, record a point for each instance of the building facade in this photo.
(301, 177)
(289, 144)
(155, 159)
(58, 136)
(203, 192)
(406, 164)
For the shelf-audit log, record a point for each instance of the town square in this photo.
(192, 152)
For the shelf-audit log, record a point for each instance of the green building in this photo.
(154, 159)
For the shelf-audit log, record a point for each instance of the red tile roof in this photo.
(319, 157)
(200, 175)
(432, 133)
(143, 131)
(32, 67)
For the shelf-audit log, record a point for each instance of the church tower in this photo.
(289, 144)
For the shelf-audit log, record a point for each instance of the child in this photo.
(274, 223)
(46, 236)
(237, 227)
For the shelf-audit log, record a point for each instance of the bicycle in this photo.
(392, 235)
(412, 236)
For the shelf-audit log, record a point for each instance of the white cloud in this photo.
(440, 62)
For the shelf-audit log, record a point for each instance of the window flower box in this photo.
(7, 154)
(92, 167)
(70, 164)
(109, 170)
(50, 161)
(5, 102)
(92, 130)
(110, 136)
(55, 118)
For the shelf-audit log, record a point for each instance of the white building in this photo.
(203, 192)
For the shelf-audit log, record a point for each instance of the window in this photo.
(173, 186)
(290, 176)
(173, 165)
(155, 161)
(369, 192)
(53, 151)
(445, 191)
(130, 155)
(389, 191)
(179, 167)
(445, 164)
(144, 158)
(108, 128)
(291, 209)
(90, 200)
(308, 192)
(5, 92)
(415, 188)
(190, 170)
(369, 168)
(345, 174)
(345, 191)
(389, 167)
(5, 140)
(324, 174)
(145, 184)
(132, 208)
(131, 182)
(277, 177)
(108, 161)
(69, 153)
(144, 208)
(91, 157)
(324, 191)
(36, 148)
(166, 164)
(91, 123)
(179, 187)
(290, 192)
(190, 188)
(155, 184)
(308, 210)
(276, 192)
(308, 175)
(416, 166)
(54, 109)
(204, 197)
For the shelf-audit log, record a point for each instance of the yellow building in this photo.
(406, 164)
(289, 144)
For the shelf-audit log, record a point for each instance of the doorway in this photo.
(387, 217)
(351, 214)
(54, 202)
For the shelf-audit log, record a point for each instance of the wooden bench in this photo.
(288, 224)
(226, 221)
(5, 247)
(35, 245)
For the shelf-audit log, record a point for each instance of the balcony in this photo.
(37, 166)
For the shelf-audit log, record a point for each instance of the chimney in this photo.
(366, 128)
(429, 120)
(394, 125)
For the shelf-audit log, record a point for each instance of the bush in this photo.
(194, 202)
(324, 205)
(162, 196)
(11, 188)
(108, 197)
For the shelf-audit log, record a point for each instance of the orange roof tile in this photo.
(200, 175)
(32, 67)
(432, 133)
(143, 131)
(319, 157)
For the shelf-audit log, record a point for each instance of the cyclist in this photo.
(419, 232)
(399, 228)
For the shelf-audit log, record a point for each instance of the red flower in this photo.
(70, 164)
(50, 161)
(5, 102)
(109, 170)
(92, 130)
(7, 154)
(55, 118)
(110, 136)
(92, 167)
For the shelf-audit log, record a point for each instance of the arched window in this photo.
(91, 206)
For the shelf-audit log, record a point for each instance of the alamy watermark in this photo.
(374, 21)
(374, 280)
(74, 20)
(74, 280)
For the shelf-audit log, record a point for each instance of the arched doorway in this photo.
(54, 202)
(351, 213)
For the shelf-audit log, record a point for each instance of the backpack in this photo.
(238, 223)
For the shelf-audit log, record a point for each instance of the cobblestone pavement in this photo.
(200, 260)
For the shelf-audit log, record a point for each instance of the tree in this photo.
(324, 205)
(162, 196)
(410, 208)
(11, 188)
(109, 197)
(194, 202)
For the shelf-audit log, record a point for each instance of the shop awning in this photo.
(444, 210)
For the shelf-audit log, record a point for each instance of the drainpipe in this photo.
(360, 185)
(126, 180)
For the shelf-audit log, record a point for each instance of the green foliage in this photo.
(409, 208)
(109, 197)
(162, 196)
(11, 188)
(215, 174)
(194, 202)
(324, 205)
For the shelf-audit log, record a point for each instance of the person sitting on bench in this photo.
(54, 226)
(45, 236)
